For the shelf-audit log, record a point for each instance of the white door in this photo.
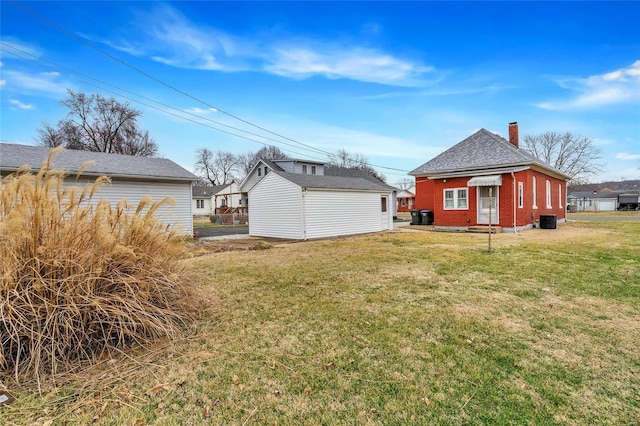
(484, 194)
(384, 207)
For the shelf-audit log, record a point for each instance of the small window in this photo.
(313, 170)
(520, 195)
(259, 171)
(266, 170)
(560, 195)
(384, 204)
(304, 169)
(548, 194)
(456, 199)
(200, 204)
(535, 193)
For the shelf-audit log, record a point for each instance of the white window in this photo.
(535, 193)
(313, 170)
(548, 194)
(455, 199)
(304, 169)
(259, 171)
(200, 204)
(265, 170)
(520, 195)
(560, 195)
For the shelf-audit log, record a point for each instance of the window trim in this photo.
(456, 198)
(535, 193)
(548, 194)
(520, 195)
(304, 169)
(560, 195)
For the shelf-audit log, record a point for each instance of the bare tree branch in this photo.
(99, 124)
(576, 156)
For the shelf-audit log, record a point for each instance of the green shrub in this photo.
(79, 277)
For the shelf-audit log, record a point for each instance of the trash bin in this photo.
(548, 221)
(426, 217)
(415, 217)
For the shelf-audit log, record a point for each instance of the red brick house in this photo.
(406, 200)
(457, 184)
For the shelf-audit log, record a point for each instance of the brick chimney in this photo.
(513, 134)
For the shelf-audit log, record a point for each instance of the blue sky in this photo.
(398, 82)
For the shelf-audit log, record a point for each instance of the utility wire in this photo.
(160, 103)
(115, 58)
(141, 96)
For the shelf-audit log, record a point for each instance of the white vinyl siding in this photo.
(281, 209)
(333, 213)
(275, 208)
(178, 216)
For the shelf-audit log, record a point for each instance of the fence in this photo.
(239, 218)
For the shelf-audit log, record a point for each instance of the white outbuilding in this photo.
(132, 177)
(307, 206)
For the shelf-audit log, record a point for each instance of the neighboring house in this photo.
(304, 206)
(132, 177)
(228, 198)
(406, 200)
(485, 174)
(202, 199)
(313, 168)
(595, 201)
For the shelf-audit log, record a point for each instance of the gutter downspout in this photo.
(515, 201)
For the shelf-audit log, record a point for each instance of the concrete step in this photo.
(484, 229)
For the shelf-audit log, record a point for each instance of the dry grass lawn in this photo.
(405, 327)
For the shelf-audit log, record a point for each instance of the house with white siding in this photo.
(305, 206)
(202, 199)
(132, 177)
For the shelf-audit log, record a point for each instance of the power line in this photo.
(144, 97)
(126, 64)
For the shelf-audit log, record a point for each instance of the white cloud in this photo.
(12, 47)
(172, 39)
(614, 87)
(352, 63)
(627, 156)
(20, 105)
(200, 111)
(47, 82)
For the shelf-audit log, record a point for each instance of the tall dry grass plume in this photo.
(80, 278)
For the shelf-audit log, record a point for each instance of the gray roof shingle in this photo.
(482, 149)
(13, 156)
(353, 172)
(206, 191)
(332, 182)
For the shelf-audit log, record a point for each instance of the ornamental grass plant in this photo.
(81, 278)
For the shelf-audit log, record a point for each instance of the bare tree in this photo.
(575, 156)
(405, 183)
(217, 168)
(343, 158)
(99, 124)
(248, 160)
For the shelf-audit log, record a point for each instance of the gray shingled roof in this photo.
(481, 150)
(352, 172)
(13, 156)
(332, 182)
(206, 191)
